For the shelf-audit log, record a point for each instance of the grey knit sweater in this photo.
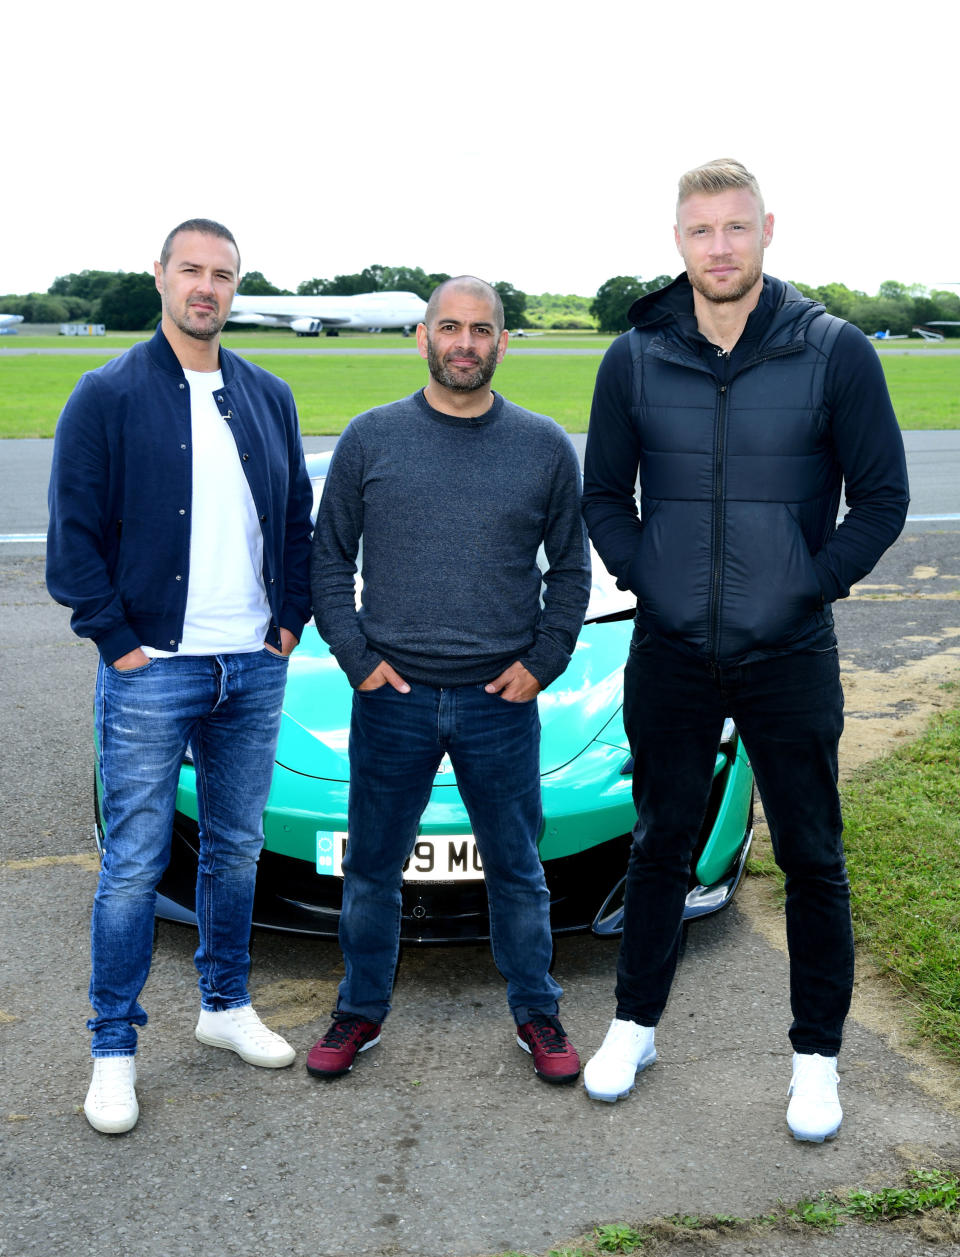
(451, 512)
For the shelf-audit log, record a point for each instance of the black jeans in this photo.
(789, 711)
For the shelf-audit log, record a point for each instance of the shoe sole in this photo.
(112, 1128)
(612, 1098)
(608, 1099)
(560, 1079)
(338, 1073)
(262, 1062)
(806, 1138)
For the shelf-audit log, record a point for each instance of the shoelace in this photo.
(549, 1034)
(113, 1087)
(341, 1031)
(250, 1024)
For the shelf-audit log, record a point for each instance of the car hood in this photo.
(573, 711)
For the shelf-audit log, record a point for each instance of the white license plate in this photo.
(435, 857)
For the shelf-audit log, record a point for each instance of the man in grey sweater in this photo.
(453, 490)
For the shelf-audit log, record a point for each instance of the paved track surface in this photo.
(933, 460)
(441, 1143)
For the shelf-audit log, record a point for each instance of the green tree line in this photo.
(128, 301)
(896, 309)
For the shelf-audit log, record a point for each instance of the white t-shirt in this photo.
(227, 607)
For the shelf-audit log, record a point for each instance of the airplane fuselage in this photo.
(308, 316)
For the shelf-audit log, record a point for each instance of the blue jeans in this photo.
(227, 707)
(396, 744)
(789, 712)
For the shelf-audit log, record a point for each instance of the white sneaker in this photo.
(240, 1030)
(814, 1112)
(627, 1049)
(111, 1104)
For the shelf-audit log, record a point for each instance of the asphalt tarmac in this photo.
(441, 1142)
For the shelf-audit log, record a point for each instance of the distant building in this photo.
(83, 329)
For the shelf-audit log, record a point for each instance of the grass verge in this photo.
(929, 1199)
(902, 839)
(331, 387)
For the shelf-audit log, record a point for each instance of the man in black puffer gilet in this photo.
(741, 408)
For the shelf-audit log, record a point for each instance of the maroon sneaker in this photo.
(333, 1055)
(554, 1057)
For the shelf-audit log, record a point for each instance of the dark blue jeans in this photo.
(789, 711)
(396, 744)
(227, 707)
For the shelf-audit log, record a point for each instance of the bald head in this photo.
(470, 286)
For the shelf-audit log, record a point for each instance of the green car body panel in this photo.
(586, 792)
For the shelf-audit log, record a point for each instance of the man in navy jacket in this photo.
(180, 537)
(741, 407)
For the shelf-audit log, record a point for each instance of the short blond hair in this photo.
(716, 176)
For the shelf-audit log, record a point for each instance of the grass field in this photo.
(903, 853)
(331, 387)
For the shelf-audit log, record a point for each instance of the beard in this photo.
(706, 287)
(457, 381)
(207, 330)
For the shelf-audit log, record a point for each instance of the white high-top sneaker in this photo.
(111, 1104)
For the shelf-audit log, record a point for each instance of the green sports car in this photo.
(587, 804)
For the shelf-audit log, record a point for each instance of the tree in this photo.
(892, 289)
(375, 278)
(90, 285)
(37, 307)
(409, 279)
(882, 314)
(615, 297)
(131, 303)
(367, 280)
(514, 303)
(255, 284)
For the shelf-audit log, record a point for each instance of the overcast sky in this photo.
(520, 141)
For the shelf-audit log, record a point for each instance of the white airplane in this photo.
(7, 322)
(309, 316)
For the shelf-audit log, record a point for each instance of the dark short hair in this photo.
(476, 288)
(206, 227)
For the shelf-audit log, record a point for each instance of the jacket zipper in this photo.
(719, 501)
(719, 517)
(719, 513)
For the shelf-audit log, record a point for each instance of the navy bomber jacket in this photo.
(735, 553)
(118, 545)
